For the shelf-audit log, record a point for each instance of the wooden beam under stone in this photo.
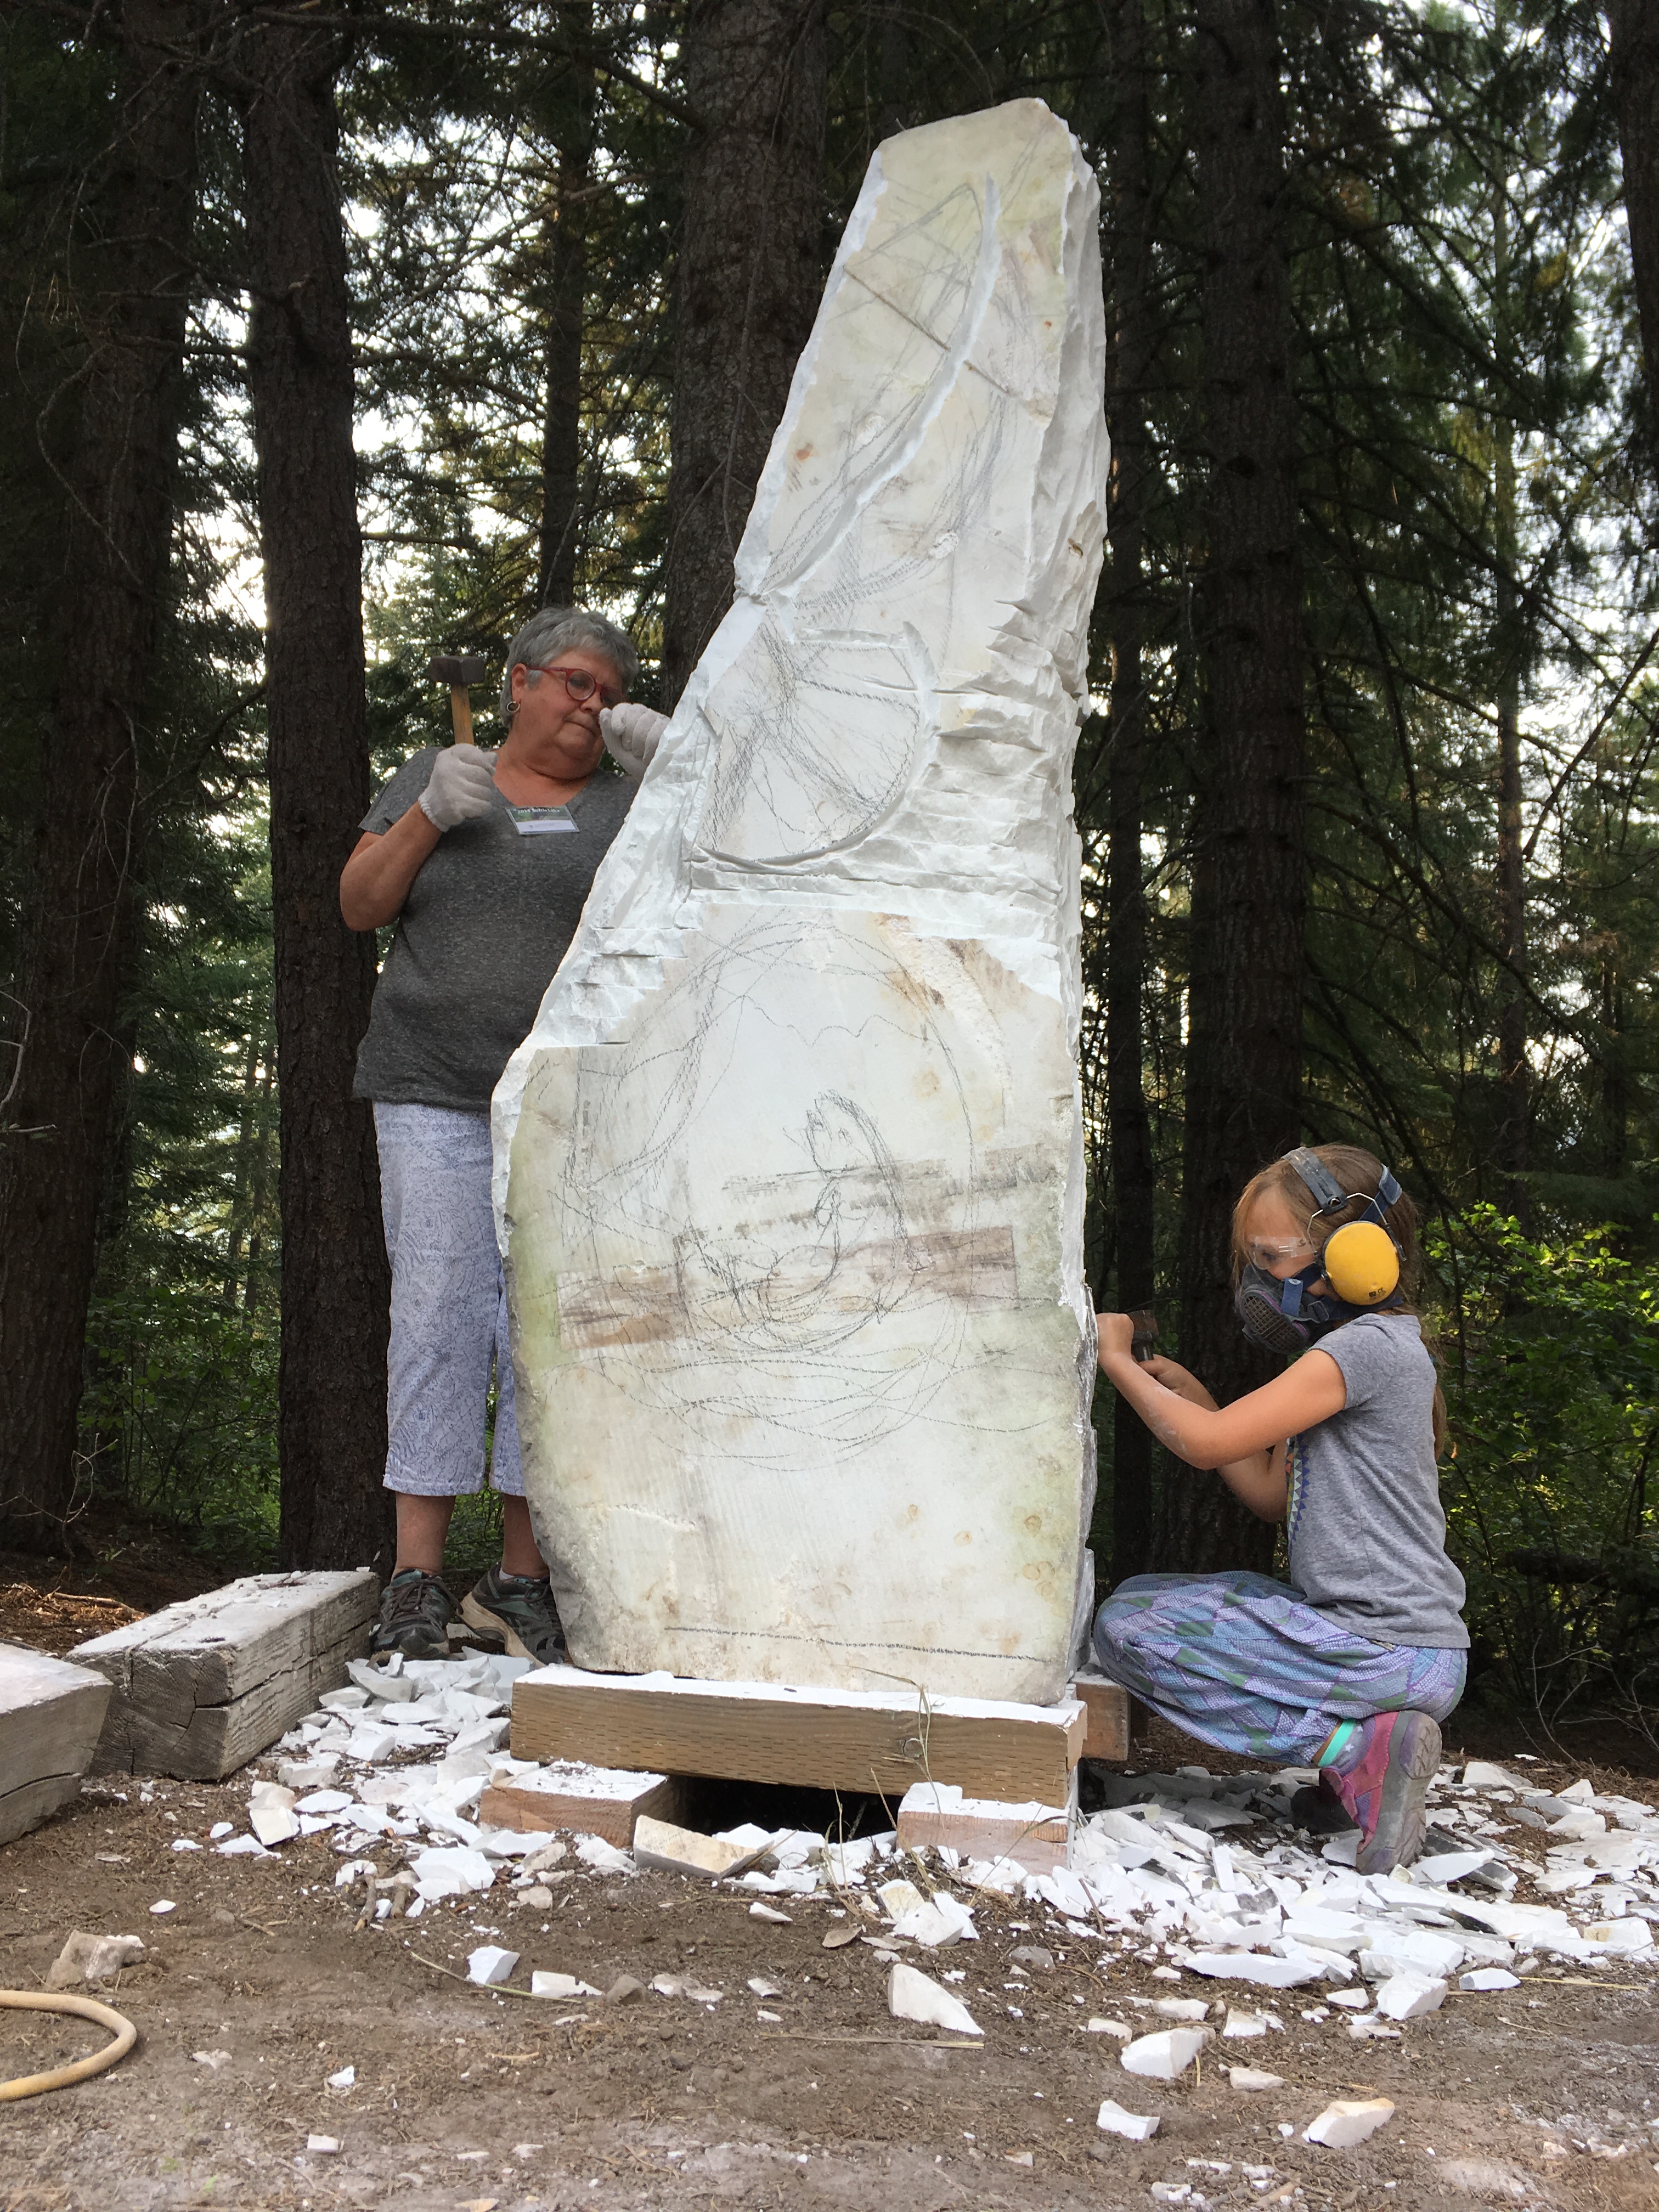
(822, 1739)
(1109, 1717)
(589, 1801)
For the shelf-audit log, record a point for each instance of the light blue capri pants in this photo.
(1245, 1662)
(448, 1306)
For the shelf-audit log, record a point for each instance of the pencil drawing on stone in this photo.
(789, 1172)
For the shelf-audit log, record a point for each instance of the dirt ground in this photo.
(257, 1985)
(1547, 2094)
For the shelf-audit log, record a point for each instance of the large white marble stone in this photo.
(789, 1173)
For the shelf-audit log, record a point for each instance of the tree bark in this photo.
(241, 1171)
(127, 282)
(1514, 1074)
(567, 286)
(259, 1192)
(1249, 893)
(335, 1287)
(1134, 1181)
(748, 284)
(1633, 43)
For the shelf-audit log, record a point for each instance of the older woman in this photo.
(484, 860)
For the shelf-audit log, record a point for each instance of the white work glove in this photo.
(632, 734)
(460, 788)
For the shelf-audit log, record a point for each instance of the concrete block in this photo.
(203, 1686)
(50, 1716)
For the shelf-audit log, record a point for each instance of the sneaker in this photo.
(416, 1611)
(521, 1611)
(1384, 1785)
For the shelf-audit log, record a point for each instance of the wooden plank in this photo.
(589, 1801)
(202, 1687)
(51, 1717)
(823, 1739)
(1107, 1706)
(1035, 1837)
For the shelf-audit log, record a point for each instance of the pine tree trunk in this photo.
(240, 1165)
(1514, 1074)
(129, 281)
(334, 1276)
(259, 1193)
(1249, 892)
(1132, 1172)
(567, 286)
(748, 285)
(1634, 28)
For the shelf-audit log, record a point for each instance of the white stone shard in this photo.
(562, 1986)
(944, 1919)
(789, 1171)
(1253, 2079)
(1408, 1995)
(1163, 2056)
(1138, 2127)
(913, 1995)
(89, 1957)
(1348, 2121)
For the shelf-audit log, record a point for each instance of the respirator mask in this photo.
(1358, 1265)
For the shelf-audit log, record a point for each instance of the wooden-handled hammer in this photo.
(459, 670)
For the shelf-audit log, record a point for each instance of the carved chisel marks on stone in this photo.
(654, 1305)
(819, 742)
(830, 1293)
(791, 1172)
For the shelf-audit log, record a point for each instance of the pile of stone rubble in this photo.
(1198, 1875)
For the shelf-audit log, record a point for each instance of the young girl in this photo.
(1349, 1665)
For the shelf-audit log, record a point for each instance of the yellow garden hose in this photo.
(34, 2084)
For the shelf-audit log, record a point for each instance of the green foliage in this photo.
(1476, 520)
(179, 1415)
(1551, 1378)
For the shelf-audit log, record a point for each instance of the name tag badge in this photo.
(540, 821)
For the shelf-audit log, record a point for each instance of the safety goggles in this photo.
(580, 685)
(1265, 1253)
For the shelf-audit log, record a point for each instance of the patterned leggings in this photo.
(1240, 1661)
(448, 1306)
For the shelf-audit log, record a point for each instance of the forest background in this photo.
(339, 334)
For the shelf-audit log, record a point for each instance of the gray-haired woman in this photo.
(484, 860)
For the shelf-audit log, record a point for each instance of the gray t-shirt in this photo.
(487, 921)
(1367, 1531)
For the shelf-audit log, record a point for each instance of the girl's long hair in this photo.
(1358, 1172)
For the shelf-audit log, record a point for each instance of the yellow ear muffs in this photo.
(1360, 1263)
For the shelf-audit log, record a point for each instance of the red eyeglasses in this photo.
(580, 686)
